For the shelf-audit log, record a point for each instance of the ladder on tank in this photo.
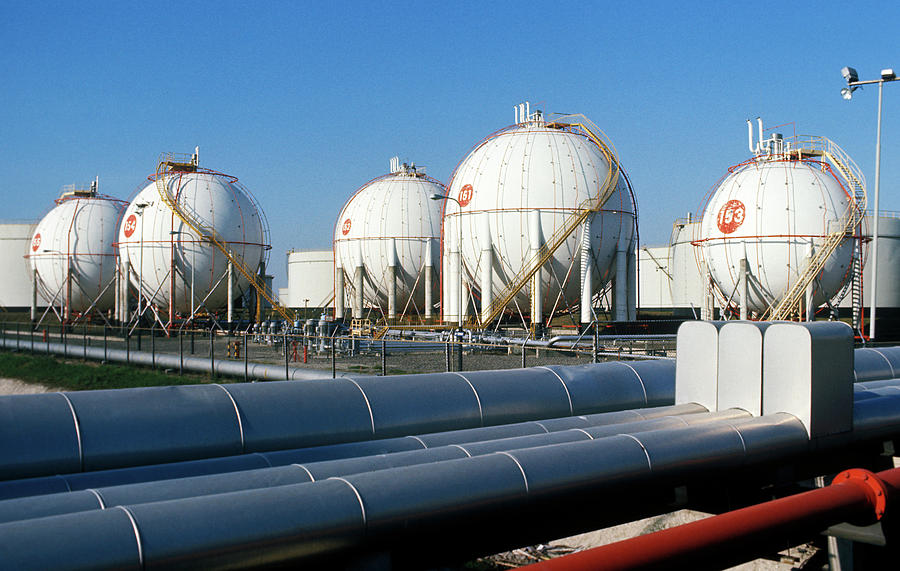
(170, 163)
(853, 177)
(588, 207)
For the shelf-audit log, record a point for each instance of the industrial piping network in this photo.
(498, 497)
(855, 495)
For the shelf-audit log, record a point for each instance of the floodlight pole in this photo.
(886, 75)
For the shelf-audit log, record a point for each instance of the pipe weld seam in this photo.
(98, 496)
(639, 379)
(305, 469)
(65, 481)
(368, 404)
(584, 431)
(77, 432)
(521, 469)
(477, 398)
(545, 429)
(137, 533)
(362, 506)
(419, 440)
(463, 448)
(644, 448)
(565, 387)
(741, 436)
(237, 413)
(264, 457)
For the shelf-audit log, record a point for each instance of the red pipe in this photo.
(856, 495)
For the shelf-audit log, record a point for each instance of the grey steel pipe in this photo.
(298, 521)
(456, 499)
(130, 494)
(96, 430)
(107, 478)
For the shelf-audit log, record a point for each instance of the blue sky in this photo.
(306, 101)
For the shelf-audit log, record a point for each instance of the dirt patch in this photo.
(16, 387)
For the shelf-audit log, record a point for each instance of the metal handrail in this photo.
(587, 207)
(209, 233)
(853, 176)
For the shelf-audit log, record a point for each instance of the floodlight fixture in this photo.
(888, 74)
(847, 93)
(850, 74)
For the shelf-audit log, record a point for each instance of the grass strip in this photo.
(80, 376)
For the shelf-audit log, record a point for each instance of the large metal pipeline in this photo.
(258, 460)
(55, 433)
(83, 431)
(222, 367)
(103, 497)
(482, 499)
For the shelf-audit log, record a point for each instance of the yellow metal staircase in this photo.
(173, 165)
(853, 178)
(588, 207)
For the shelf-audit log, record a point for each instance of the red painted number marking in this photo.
(731, 216)
(130, 225)
(465, 195)
(345, 227)
(35, 242)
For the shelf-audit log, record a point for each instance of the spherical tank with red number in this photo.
(776, 213)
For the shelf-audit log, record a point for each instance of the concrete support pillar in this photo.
(229, 270)
(67, 302)
(742, 277)
(537, 294)
(631, 284)
(810, 310)
(34, 295)
(706, 311)
(486, 272)
(338, 292)
(392, 279)
(620, 292)
(429, 279)
(358, 291)
(587, 265)
(458, 287)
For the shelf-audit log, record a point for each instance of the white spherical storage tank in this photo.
(516, 195)
(72, 251)
(776, 211)
(386, 246)
(177, 268)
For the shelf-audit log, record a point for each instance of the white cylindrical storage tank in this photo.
(16, 278)
(530, 180)
(389, 230)
(72, 251)
(176, 267)
(310, 279)
(776, 211)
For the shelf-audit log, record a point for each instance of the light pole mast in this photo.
(853, 84)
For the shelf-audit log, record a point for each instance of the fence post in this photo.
(192, 340)
(523, 351)
(447, 354)
(287, 375)
(17, 336)
(105, 343)
(84, 342)
(333, 361)
(246, 357)
(127, 346)
(180, 352)
(212, 358)
(459, 357)
(153, 346)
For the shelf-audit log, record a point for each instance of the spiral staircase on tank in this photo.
(851, 176)
(170, 163)
(593, 204)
